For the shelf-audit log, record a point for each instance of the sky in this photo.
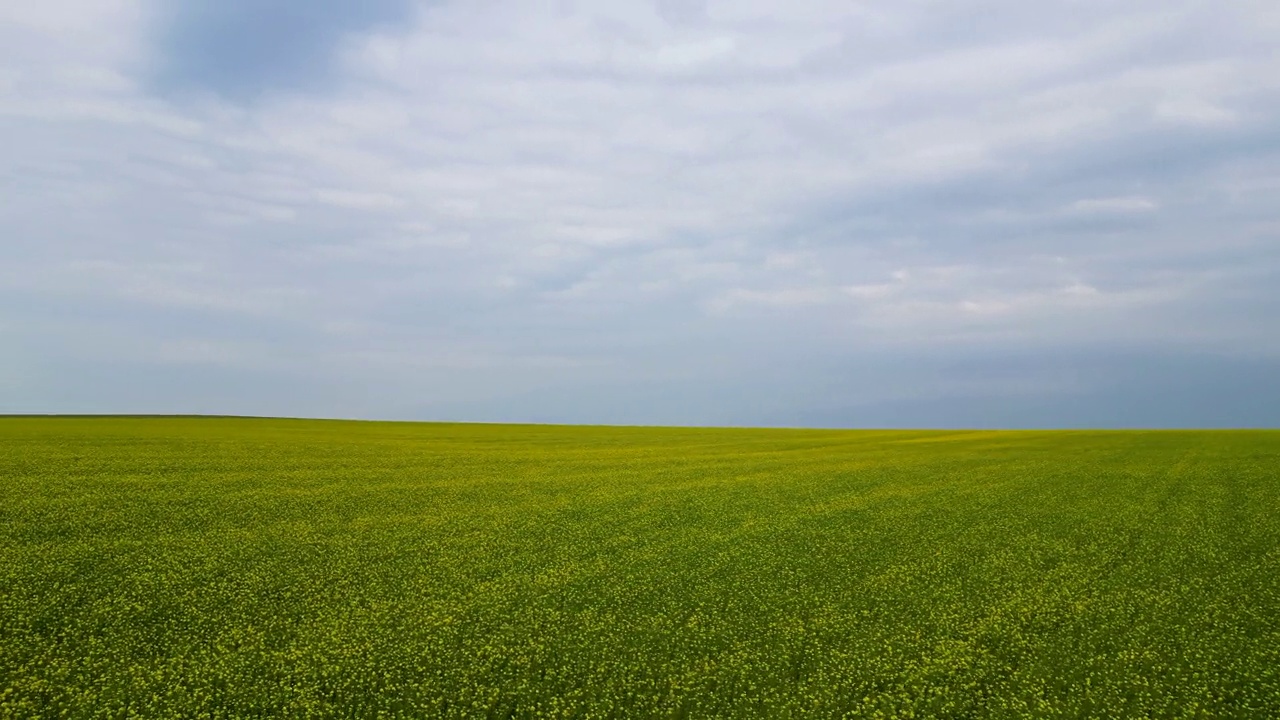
(906, 213)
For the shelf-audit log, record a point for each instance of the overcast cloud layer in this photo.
(837, 213)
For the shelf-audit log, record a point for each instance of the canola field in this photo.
(242, 568)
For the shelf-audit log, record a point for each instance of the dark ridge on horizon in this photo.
(816, 428)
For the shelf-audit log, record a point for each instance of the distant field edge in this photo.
(518, 423)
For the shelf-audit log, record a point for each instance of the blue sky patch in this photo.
(243, 49)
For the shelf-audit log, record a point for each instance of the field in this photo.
(273, 568)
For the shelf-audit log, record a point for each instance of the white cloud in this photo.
(684, 54)
(357, 200)
(1127, 204)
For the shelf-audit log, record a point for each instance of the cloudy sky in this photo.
(818, 212)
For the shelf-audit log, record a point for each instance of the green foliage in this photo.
(268, 568)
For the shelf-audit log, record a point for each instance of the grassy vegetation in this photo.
(254, 568)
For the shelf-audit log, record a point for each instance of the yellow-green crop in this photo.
(271, 568)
